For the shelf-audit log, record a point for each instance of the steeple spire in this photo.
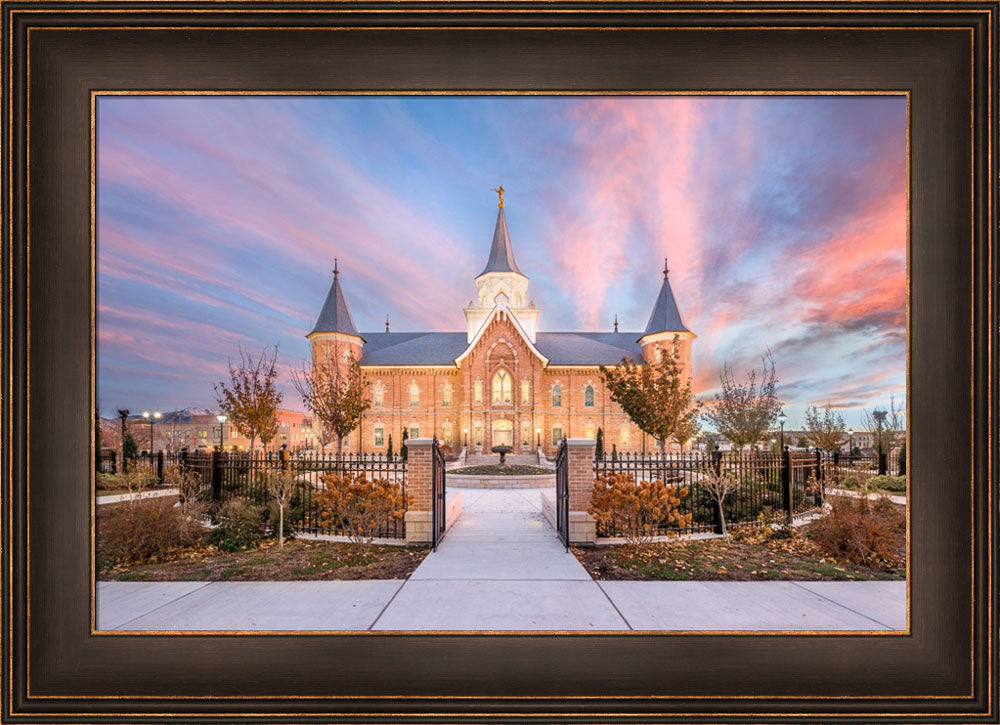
(616, 322)
(387, 322)
(666, 316)
(501, 257)
(335, 316)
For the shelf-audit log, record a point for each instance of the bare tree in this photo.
(334, 392)
(888, 426)
(657, 396)
(824, 429)
(719, 485)
(250, 398)
(280, 485)
(746, 412)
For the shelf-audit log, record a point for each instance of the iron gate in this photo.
(562, 494)
(439, 515)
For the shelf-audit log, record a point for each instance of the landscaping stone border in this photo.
(544, 480)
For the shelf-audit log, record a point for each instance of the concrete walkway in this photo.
(118, 497)
(501, 568)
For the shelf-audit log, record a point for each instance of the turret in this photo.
(335, 336)
(666, 323)
(501, 276)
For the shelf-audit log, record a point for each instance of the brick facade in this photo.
(454, 400)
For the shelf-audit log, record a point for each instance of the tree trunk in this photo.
(281, 525)
(340, 444)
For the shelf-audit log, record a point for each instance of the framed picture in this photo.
(76, 70)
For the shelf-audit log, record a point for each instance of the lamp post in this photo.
(538, 437)
(850, 449)
(222, 431)
(781, 420)
(154, 418)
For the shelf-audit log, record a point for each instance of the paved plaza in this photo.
(501, 568)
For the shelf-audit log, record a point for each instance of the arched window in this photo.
(378, 394)
(502, 388)
(448, 440)
(477, 392)
(379, 435)
(414, 429)
(446, 395)
(525, 392)
(526, 433)
(557, 396)
(588, 396)
(414, 394)
(590, 432)
(346, 355)
(625, 436)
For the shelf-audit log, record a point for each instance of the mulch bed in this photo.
(300, 560)
(793, 559)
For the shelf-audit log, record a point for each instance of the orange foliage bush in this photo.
(359, 506)
(638, 510)
(148, 529)
(861, 531)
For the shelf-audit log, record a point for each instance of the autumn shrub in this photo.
(857, 477)
(187, 482)
(148, 529)
(358, 506)
(239, 525)
(637, 510)
(861, 532)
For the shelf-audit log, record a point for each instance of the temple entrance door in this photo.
(503, 433)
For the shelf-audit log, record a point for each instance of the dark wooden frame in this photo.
(942, 54)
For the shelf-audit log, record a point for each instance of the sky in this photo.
(783, 218)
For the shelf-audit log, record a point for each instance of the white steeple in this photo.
(501, 276)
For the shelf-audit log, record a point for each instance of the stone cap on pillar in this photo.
(418, 442)
(581, 443)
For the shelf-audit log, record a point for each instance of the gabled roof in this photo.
(335, 317)
(442, 348)
(666, 317)
(501, 253)
(501, 308)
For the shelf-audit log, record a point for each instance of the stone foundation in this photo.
(466, 481)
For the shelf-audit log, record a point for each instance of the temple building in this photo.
(501, 380)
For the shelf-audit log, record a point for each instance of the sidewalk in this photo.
(501, 568)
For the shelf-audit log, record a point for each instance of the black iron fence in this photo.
(228, 475)
(792, 482)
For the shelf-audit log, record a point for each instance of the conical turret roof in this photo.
(335, 316)
(666, 316)
(501, 253)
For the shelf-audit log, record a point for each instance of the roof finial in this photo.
(386, 321)
(336, 272)
(666, 270)
(616, 322)
(499, 192)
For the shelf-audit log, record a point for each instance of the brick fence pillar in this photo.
(419, 489)
(580, 463)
